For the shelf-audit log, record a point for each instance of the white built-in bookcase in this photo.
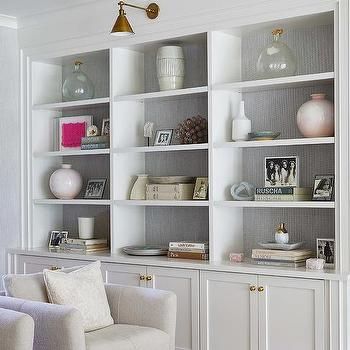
(220, 72)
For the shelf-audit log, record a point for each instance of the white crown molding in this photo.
(8, 21)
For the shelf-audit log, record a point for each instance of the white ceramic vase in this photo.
(241, 125)
(86, 227)
(170, 67)
(315, 118)
(65, 183)
(138, 191)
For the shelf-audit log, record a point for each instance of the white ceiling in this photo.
(22, 8)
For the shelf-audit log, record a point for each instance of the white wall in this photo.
(9, 143)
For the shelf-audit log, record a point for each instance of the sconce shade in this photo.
(122, 26)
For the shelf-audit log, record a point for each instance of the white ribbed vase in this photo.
(170, 67)
(65, 183)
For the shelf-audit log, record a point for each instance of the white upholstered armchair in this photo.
(16, 330)
(144, 319)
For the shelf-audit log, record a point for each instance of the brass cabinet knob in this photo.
(149, 278)
(142, 277)
(54, 268)
(261, 289)
(252, 288)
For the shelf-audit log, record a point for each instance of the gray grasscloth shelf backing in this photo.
(195, 66)
(302, 224)
(277, 109)
(101, 214)
(312, 46)
(176, 224)
(96, 67)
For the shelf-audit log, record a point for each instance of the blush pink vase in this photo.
(65, 183)
(315, 118)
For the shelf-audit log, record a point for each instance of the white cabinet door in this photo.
(185, 284)
(32, 264)
(291, 314)
(129, 275)
(229, 311)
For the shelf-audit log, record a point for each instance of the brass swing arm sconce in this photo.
(122, 26)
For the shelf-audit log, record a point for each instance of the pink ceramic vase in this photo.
(315, 118)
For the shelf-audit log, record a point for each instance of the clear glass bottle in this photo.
(277, 59)
(77, 85)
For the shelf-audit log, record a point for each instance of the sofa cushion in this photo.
(84, 290)
(127, 337)
(28, 287)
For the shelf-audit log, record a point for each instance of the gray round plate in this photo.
(145, 250)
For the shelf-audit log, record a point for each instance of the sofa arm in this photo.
(16, 330)
(143, 307)
(57, 327)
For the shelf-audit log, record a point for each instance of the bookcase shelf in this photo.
(71, 153)
(61, 106)
(278, 142)
(159, 95)
(163, 203)
(272, 204)
(171, 148)
(278, 83)
(72, 201)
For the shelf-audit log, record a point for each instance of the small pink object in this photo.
(236, 257)
(72, 134)
(315, 117)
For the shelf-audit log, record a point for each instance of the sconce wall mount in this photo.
(122, 26)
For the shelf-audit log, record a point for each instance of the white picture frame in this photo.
(326, 251)
(163, 137)
(105, 130)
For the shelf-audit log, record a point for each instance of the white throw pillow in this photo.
(84, 290)
(28, 287)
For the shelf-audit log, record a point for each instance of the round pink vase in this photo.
(315, 118)
(65, 183)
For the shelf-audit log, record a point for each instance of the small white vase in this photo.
(241, 125)
(281, 235)
(170, 67)
(315, 118)
(138, 191)
(65, 183)
(86, 227)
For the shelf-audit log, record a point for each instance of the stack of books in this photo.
(283, 194)
(283, 258)
(189, 250)
(169, 192)
(95, 142)
(84, 245)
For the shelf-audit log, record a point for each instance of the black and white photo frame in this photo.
(323, 189)
(281, 171)
(163, 137)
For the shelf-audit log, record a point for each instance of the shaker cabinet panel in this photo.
(32, 264)
(185, 284)
(129, 275)
(291, 314)
(229, 311)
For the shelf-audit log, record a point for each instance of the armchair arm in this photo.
(143, 307)
(57, 327)
(16, 330)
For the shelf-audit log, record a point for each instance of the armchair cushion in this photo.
(84, 290)
(127, 337)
